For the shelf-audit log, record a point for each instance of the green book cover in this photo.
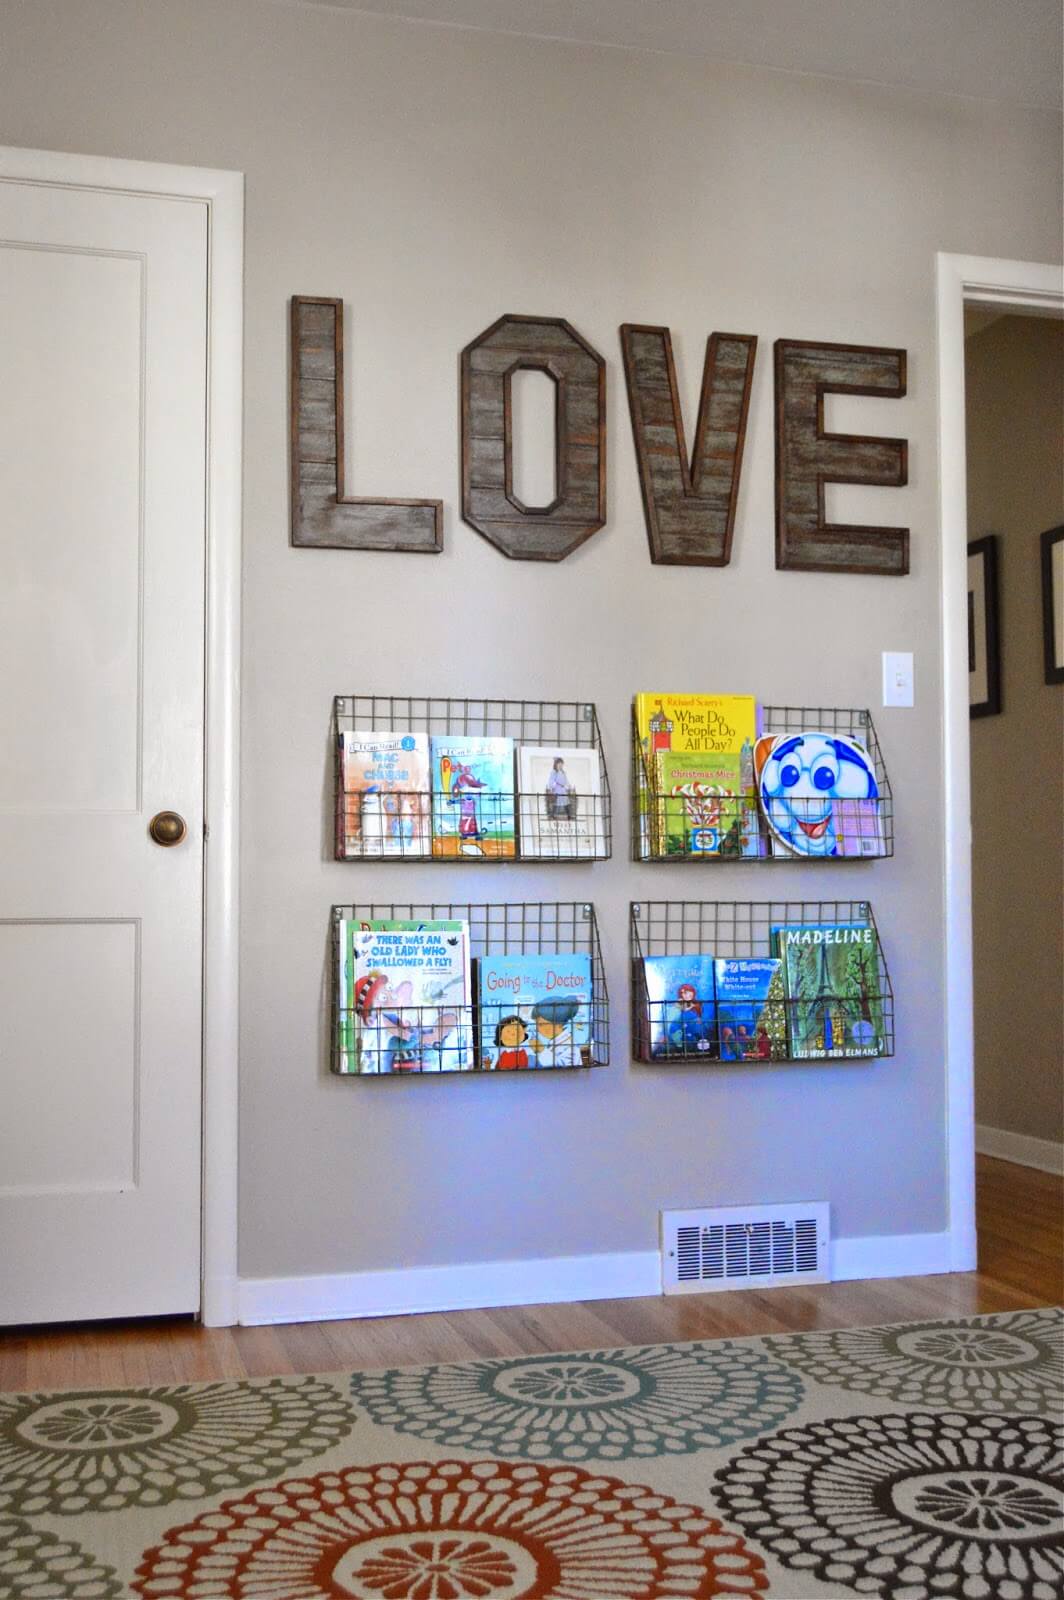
(832, 982)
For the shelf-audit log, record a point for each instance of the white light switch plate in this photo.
(897, 677)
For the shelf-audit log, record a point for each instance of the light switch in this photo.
(897, 677)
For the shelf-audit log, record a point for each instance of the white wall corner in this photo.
(1045, 1154)
(221, 1302)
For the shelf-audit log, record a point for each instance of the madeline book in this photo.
(680, 1008)
(534, 1011)
(383, 805)
(405, 997)
(832, 983)
(716, 724)
(472, 796)
(704, 804)
(751, 1013)
(560, 802)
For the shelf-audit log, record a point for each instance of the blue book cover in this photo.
(751, 1014)
(534, 1011)
(472, 796)
(680, 1007)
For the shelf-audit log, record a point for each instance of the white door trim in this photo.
(223, 193)
(1033, 287)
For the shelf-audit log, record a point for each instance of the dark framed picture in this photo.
(1053, 602)
(984, 640)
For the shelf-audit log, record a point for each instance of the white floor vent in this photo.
(744, 1247)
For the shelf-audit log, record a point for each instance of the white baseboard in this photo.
(1026, 1151)
(553, 1280)
(897, 1255)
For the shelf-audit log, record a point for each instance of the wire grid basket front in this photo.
(523, 928)
(559, 815)
(842, 1010)
(703, 825)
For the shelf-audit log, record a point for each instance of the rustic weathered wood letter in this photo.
(807, 458)
(689, 504)
(322, 515)
(540, 344)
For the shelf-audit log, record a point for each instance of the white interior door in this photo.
(103, 307)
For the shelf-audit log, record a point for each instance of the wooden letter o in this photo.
(541, 344)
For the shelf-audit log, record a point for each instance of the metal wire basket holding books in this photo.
(756, 982)
(460, 987)
(432, 778)
(812, 787)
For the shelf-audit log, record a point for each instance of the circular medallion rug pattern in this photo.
(101, 1451)
(35, 1565)
(967, 1364)
(450, 1530)
(612, 1405)
(925, 1506)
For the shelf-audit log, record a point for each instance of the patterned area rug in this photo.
(914, 1462)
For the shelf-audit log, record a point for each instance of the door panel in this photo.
(102, 550)
(70, 439)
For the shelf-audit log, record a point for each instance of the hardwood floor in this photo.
(1021, 1264)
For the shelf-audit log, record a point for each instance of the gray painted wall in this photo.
(436, 179)
(1015, 415)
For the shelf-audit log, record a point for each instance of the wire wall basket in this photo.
(418, 779)
(537, 1015)
(758, 981)
(823, 797)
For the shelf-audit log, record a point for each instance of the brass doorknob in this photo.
(167, 828)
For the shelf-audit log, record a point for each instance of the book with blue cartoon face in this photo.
(534, 1011)
(751, 1013)
(405, 1001)
(679, 1023)
(472, 796)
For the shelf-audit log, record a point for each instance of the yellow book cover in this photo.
(723, 724)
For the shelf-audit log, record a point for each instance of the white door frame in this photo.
(223, 193)
(1037, 289)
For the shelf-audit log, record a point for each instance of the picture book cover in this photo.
(383, 805)
(831, 980)
(751, 1014)
(680, 1005)
(534, 1011)
(719, 724)
(560, 808)
(858, 828)
(704, 804)
(472, 796)
(800, 778)
(408, 997)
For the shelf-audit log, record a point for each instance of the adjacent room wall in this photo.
(436, 179)
(1015, 425)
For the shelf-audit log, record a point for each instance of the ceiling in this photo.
(1007, 50)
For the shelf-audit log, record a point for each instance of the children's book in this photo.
(858, 828)
(472, 796)
(560, 811)
(722, 724)
(818, 794)
(703, 806)
(534, 1011)
(406, 998)
(751, 1014)
(680, 1008)
(383, 805)
(832, 983)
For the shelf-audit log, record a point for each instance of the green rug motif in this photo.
(922, 1461)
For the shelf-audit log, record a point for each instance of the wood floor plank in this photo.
(1021, 1264)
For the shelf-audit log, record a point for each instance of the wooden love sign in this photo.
(689, 501)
